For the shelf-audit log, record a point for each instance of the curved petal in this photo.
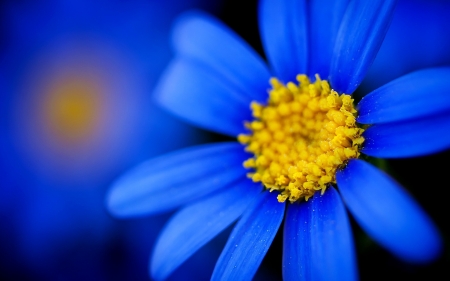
(325, 19)
(250, 239)
(408, 138)
(204, 39)
(317, 236)
(171, 180)
(197, 224)
(387, 213)
(414, 41)
(195, 94)
(418, 94)
(284, 35)
(360, 36)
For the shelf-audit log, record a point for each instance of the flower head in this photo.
(304, 144)
(301, 137)
(74, 110)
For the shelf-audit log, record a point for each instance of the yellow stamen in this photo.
(301, 137)
(71, 109)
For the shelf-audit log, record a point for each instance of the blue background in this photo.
(53, 221)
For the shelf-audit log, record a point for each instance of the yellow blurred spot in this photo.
(303, 135)
(72, 109)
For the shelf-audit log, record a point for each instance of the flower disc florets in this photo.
(301, 137)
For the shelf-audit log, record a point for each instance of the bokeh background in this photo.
(76, 110)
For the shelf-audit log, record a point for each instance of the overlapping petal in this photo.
(250, 239)
(387, 213)
(418, 94)
(196, 224)
(204, 39)
(325, 17)
(284, 34)
(171, 180)
(408, 138)
(318, 244)
(197, 95)
(360, 35)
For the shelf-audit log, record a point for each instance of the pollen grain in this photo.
(301, 137)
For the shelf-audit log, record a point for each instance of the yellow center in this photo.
(301, 137)
(71, 109)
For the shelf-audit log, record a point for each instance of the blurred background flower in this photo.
(75, 111)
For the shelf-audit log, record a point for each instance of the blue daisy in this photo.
(75, 110)
(302, 144)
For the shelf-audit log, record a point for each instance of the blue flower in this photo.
(75, 110)
(219, 83)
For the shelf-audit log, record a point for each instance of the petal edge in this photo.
(388, 214)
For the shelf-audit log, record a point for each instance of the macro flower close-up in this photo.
(306, 152)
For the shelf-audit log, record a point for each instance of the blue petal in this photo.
(250, 239)
(217, 48)
(283, 29)
(408, 138)
(360, 36)
(387, 213)
(171, 180)
(197, 95)
(414, 41)
(318, 243)
(421, 93)
(195, 225)
(325, 19)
